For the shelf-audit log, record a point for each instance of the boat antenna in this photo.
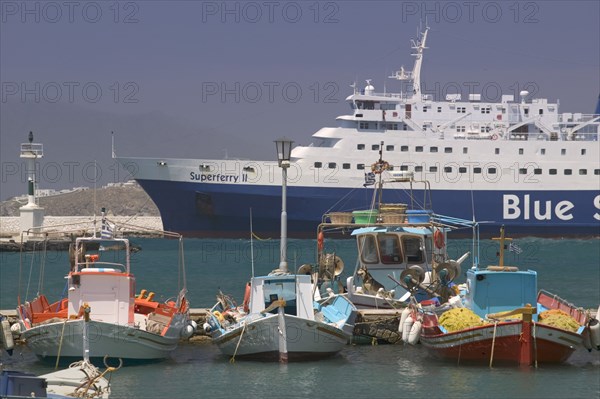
(95, 180)
(251, 244)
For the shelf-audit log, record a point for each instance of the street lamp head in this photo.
(284, 151)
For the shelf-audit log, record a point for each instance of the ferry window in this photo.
(360, 166)
(497, 151)
(543, 151)
(389, 248)
(552, 171)
(433, 169)
(583, 151)
(412, 249)
(368, 249)
(448, 150)
(465, 150)
(462, 169)
(492, 171)
(392, 126)
(583, 171)
(419, 149)
(346, 166)
(568, 172)
(522, 171)
(404, 126)
(563, 152)
(520, 151)
(597, 172)
(424, 109)
(404, 148)
(448, 169)
(389, 148)
(526, 110)
(363, 125)
(332, 165)
(418, 168)
(537, 171)
(318, 164)
(360, 146)
(375, 147)
(541, 111)
(404, 167)
(477, 170)
(439, 109)
(433, 149)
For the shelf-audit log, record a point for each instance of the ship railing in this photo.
(36, 149)
(401, 96)
(568, 117)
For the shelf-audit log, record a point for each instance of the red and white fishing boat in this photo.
(503, 319)
(122, 324)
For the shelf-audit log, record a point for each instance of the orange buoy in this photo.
(320, 241)
(438, 239)
(247, 298)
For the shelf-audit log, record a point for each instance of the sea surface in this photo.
(568, 268)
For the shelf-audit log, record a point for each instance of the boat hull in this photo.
(482, 344)
(260, 339)
(213, 210)
(105, 339)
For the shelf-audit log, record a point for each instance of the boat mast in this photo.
(415, 74)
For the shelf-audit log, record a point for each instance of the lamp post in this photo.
(284, 150)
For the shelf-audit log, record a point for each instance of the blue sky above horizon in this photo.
(161, 66)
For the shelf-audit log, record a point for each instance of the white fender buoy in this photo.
(15, 329)
(408, 323)
(594, 329)
(187, 331)
(7, 339)
(415, 332)
(194, 325)
(206, 327)
(403, 317)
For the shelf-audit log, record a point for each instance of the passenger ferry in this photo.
(517, 162)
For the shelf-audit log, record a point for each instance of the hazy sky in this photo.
(209, 79)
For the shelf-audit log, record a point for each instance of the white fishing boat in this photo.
(399, 246)
(124, 325)
(281, 320)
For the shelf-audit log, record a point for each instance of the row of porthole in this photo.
(461, 169)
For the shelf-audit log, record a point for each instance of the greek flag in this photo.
(512, 247)
(107, 229)
(369, 179)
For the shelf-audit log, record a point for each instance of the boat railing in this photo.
(569, 117)
(100, 264)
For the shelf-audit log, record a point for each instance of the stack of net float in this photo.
(462, 318)
(393, 213)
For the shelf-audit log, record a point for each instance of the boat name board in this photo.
(515, 207)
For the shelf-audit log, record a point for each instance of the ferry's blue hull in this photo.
(219, 210)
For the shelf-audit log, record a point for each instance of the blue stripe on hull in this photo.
(211, 210)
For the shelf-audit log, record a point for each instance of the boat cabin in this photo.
(295, 290)
(101, 278)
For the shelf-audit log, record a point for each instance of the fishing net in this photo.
(459, 319)
(559, 319)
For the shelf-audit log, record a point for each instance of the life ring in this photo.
(246, 303)
(380, 166)
(438, 239)
(321, 241)
(494, 137)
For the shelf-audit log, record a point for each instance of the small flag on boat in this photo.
(107, 229)
(514, 248)
(369, 179)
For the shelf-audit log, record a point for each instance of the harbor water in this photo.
(566, 267)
